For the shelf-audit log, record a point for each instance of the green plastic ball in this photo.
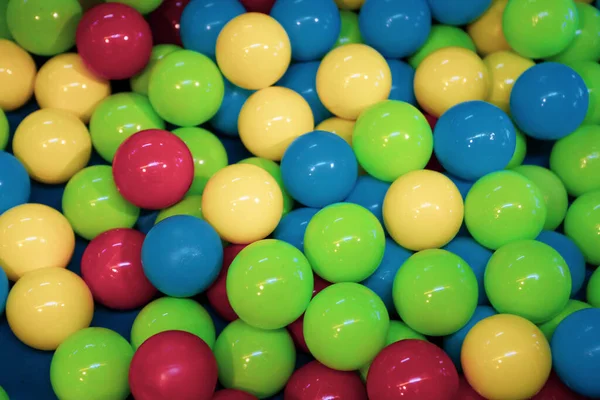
(349, 30)
(275, 171)
(582, 225)
(442, 36)
(186, 88)
(502, 207)
(344, 242)
(190, 205)
(4, 130)
(172, 314)
(345, 326)
(139, 82)
(254, 360)
(143, 6)
(520, 150)
(92, 363)
(590, 73)
(93, 205)
(4, 32)
(529, 279)
(593, 289)
(549, 327)
(3, 394)
(586, 44)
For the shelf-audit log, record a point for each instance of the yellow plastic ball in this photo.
(506, 357)
(271, 119)
(34, 236)
(352, 78)
(243, 203)
(341, 127)
(17, 75)
(423, 210)
(450, 76)
(53, 145)
(64, 82)
(46, 306)
(504, 68)
(253, 51)
(349, 4)
(486, 31)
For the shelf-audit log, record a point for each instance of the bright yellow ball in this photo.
(352, 78)
(486, 32)
(423, 210)
(349, 4)
(253, 51)
(53, 145)
(504, 68)
(17, 75)
(34, 236)
(450, 76)
(271, 119)
(46, 306)
(341, 127)
(64, 82)
(506, 357)
(243, 203)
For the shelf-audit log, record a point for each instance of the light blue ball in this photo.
(458, 12)
(3, 290)
(476, 256)
(225, 120)
(292, 226)
(15, 185)
(403, 76)
(182, 256)
(369, 193)
(570, 253)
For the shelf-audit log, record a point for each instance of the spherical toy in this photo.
(441, 36)
(165, 22)
(349, 29)
(4, 130)
(476, 257)
(274, 170)
(100, 350)
(117, 118)
(575, 353)
(173, 364)
(114, 41)
(233, 394)
(216, 294)
(344, 242)
(414, 369)
(15, 186)
(349, 4)
(570, 253)
(3, 290)
(392, 138)
(520, 150)
(486, 31)
(585, 46)
(47, 306)
(369, 193)
(506, 357)
(549, 101)
(4, 32)
(548, 328)
(225, 121)
(316, 381)
(582, 225)
(502, 207)
(52, 145)
(173, 250)
(292, 227)
(153, 169)
(254, 360)
(313, 26)
(139, 83)
(590, 72)
(458, 12)
(345, 326)
(142, 6)
(190, 205)
(172, 314)
(402, 81)
(16, 86)
(243, 203)
(3, 394)
(352, 78)
(253, 51)
(450, 76)
(341, 127)
(422, 210)
(554, 388)
(34, 236)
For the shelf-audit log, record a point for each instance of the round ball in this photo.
(316, 381)
(292, 227)
(486, 31)
(16, 87)
(590, 72)
(165, 22)
(441, 36)
(190, 205)
(216, 294)
(142, 6)
(582, 225)
(341, 127)
(458, 12)
(349, 29)
(225, 121)
(548, 328)
(15, 185)
(369, 193)
(233, 394)
(139, 83)
(505, 68)
(585, 45)
(4, 130)
(274, 170)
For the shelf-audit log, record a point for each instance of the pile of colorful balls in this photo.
(299, 199)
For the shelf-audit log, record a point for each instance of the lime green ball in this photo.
(190, 205)
(92, 363)
(442, 36)
(539, 29)
(44, 27)
(3, 394)
(172, 314)
(590, 73)
(392, 138)
(344, 242)
(4, 130)
(254, 360)
(117, 118)
(552, 189)
(345, 326)
(593, 289)
(349, 30)
(275, 171)
(586, 44)
(582, 225)
(549, 327)
(186, 88)
(502, 207)
(143, 6)
(139, 82)
(576, 160)
(4, 32)
(529, 279)
(520, 150)
(93, 205)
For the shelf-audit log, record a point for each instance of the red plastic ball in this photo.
(412, 370)
(173, 365)
(233, 394)
(262, 6)
(555, 389)
(465, 391)
(111, 266)
(153, 169)
(164, 22)
(217, 292)
(114, 41)
(314, 381)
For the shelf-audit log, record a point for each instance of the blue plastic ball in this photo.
(549, 101)
(403, 76)
(3, 290)
(318, 169)
(458, 12)
(182, 256)
(292, 226)
(369, 193)
(225, 120)
(476, 256)
(15, 186)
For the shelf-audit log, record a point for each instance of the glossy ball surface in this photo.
(16, 87)
(582, 225)
(505, 68)
(316, 381)
(165, 22)
(217, 292)
(15, 185)
(458, 12)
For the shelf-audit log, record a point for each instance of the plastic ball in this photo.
(349, 4)
(100, 350)
(585, 46)
(4, 31)
(4, 130)
(570, 253)
(233, 394)
(316, 381)
(548, 328)
(190, 205)
(17, 76)
(165, 22)
(582, 225)
(173, 365)
(293, 225)
(448, 77)
(477, 258)
(369, 193)
(217, 292)
(423, 210)
(261, 6)
(341, 127)
(254, 360)
(275, 171)
(47, 306)
(555, 389)
(114, 41)
(352, 78)
(3, 290)
(520, 150)
(403, 76)
(142, 6)
(225, 121)
(253, 51)
(349, 29)
(458, 12)
(506, 357)
(15, 186)
(139, 83)
(486, 31)
(592, 290)
(590, 73)
(344, 242)
(441, 36)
